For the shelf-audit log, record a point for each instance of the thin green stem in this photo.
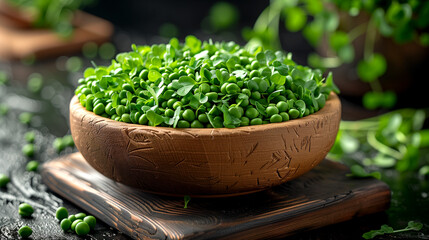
(357, 31)
(369, 40)
(376, 86)
(359, 125)
(330, 62)
(372, 140)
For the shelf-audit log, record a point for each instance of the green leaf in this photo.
(193, 43)
(184, 90)
(228, 119)
(380, 21)
(385, 229)
(313, 32)
(261, 109)
(187, 199)
(240, 74)
(154, 118)
(398, 13)
(262, 59)
(278, 78)
(153, 93)
(176, 116)
(295, 18)
(338, 40)
(372, 68)
(416, 226)
(154, 75)
(230, 64)
(115, 98)
(359, 172)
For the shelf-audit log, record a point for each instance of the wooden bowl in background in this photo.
(206, 162)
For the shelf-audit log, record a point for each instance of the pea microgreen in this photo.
(221, 80)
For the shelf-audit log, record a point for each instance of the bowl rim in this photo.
(332, 105)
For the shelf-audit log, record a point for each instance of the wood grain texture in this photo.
(204, 161)
(18, 41)
(321, 197)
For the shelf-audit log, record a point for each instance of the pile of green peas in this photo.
(202, 85)
(79, 223)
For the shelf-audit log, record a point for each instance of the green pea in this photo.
(171, 102)
(255, 65)
(284, 116)
(196, 124)
(254, 73)
(263, 85)
(28, 150)
(80, 215)
(276, 118)
(4, 180)
(120, 109)
(235, 111)
(25, 231)
(72, 218)
(126, 118)
(82, 228)
(245, 121)
(91, 221)
(256, 121)
(169, 113)
(177, 104)
(205, 88)
(174, 76)
(252, 85)
(61, 213)
(271, 110)
(29, 137)
(203, 118)
(282, 106)
(65, 224)
(251, 113)
(109, 109)
(32, 166)
(212, 96)
(99, 109)
(214, 88)
(293, 113)
(25, 210)
(143, 119)
(127, 87)
(189, 115)
(246, 91)
(183, 124)
(73, 226)
(306, 112)
(256, 95)
(223, 88)
(144, 74)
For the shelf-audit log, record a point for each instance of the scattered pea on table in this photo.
(25, 210)
(25, 231)
(4, 180)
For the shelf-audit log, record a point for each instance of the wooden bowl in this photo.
(206, 162)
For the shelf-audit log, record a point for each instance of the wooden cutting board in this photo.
(321, 197)
(21, 43)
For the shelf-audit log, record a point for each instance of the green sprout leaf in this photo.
(385, 229)
(372, 68)
(187, 199)
(154, 118)
(295, 19)
(358, 171)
